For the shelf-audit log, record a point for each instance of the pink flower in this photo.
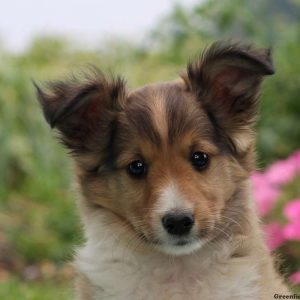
(258, 179)
(264, 193)
(282, 171)
(292, 210)
(274, 235)
(295, 160)
(292, 231)
(295, 278)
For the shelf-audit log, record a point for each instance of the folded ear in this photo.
(226, 79)
(83, 110)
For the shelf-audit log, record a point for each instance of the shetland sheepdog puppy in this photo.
(163, 171)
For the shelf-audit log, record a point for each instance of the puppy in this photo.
(164, 175)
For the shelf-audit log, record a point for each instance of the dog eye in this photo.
(137, 168)
(199, 160)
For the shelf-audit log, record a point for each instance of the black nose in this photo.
(178, 223)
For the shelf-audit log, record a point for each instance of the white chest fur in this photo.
(116, 272)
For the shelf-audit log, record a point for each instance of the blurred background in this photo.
(144, 41)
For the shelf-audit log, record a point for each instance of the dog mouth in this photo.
(182, 243)
(181, 247)
(175, 246)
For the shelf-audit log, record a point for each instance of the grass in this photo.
(15, 289)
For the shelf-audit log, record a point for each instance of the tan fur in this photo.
(159, 116)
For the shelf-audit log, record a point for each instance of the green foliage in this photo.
(16, 290)
(34, 173)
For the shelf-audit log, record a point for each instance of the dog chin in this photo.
(178, 249)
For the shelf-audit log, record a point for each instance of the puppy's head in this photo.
(169, 158)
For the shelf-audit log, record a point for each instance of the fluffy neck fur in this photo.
(114, 264)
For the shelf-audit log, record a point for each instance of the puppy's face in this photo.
(167, 159)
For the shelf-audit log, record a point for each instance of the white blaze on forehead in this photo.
(159, 116)
(171, 199)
